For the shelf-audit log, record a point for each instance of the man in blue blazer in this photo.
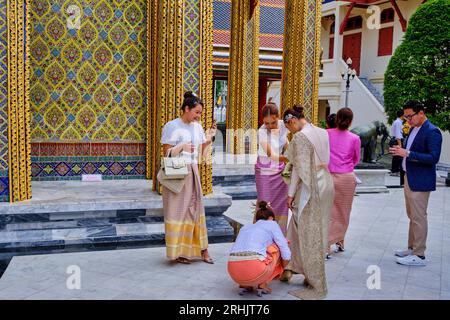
(420, 154)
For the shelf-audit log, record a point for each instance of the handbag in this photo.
(172, 173)
(174, 168)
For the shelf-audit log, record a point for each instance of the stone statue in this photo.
(369, 136)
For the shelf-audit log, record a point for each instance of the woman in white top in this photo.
(272, 140)
(260, 253)
(184, 212)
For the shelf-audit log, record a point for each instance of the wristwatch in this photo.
(407, 153)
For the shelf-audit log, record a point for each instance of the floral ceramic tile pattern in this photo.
(88, 70)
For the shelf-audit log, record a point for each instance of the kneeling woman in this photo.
(260, 253)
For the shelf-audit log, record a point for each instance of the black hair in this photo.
(400, 113)
(190, 101)
(415, 105)
(297, 111)
(344, 118)
(331, 121)
(264, 211)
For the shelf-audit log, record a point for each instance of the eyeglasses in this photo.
(410, 116)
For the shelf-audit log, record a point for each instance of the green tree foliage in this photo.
(420, 66)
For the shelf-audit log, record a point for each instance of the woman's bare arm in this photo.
(271, 154)
(176, 150)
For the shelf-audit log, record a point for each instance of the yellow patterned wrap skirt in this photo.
(184, 219)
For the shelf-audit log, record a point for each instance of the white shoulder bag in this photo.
(172, 173)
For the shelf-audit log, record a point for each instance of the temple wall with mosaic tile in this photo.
(88, 88)
(88, 105)
(4, 180)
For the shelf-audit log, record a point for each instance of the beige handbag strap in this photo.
(169, 153)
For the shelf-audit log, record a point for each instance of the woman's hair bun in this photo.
(298, 108)
(189, 94)
(263, 205)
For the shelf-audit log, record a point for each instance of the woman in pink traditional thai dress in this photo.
(345, 152)
(270, 186)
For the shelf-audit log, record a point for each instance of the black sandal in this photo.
(183, 260)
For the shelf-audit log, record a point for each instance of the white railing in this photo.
(365, 106)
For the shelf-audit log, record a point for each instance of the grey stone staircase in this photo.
(92, 224)
(94, 229)
(369, 85)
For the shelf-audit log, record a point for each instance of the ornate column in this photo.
(206, 84)
(166, 85)
(152, 40)
(242, 113)
(18, 101)
(4, 161)
(301, 56)
(180, 52)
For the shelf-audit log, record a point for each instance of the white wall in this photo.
(325, 38)
(364, 106)
(274, 91)
(445, 153)
(372, 66)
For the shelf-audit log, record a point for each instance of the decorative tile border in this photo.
(92, 149)
(72, 168)
(68, 161)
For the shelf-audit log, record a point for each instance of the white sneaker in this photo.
(412, 260)
(403, 253)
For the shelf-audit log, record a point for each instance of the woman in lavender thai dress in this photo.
(272, 140)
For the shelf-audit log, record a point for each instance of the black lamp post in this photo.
(348, 76)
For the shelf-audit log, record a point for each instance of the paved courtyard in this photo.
(378, 226)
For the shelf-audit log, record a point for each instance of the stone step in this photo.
(68, 214)
(240, 192)
(147, 230)
(69, 217)
(152, 203)
(83, 222)
(243, 187)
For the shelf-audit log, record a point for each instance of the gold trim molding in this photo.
(19, 147)
(300, 76)
(242, 113)
(206, 85)
(166, 85)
